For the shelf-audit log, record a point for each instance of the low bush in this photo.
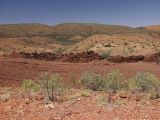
(51, 86)
(145, 82)
(114, 81)
(59, 51)
(92, 81)
(106, 54)
(29, 86)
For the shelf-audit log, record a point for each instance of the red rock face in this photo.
(68, 57)
(153, 58)
(118, 59)
(148, 58)
(87, 56)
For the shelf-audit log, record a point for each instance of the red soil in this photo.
(14, 70)
(84, 108)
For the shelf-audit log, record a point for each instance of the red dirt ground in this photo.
(14, 70)
(82, 108)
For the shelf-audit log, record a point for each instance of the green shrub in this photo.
(59, 51)
(106, 54)
(92, 81)
(146, 82)
(114, 81)
(29, 85)
(130, 49)
(51, 86)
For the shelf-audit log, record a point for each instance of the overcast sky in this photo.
(122, 12)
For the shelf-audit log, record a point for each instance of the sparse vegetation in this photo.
(145, 82)
(65, 39)
(114, 81)
(39, 36)
(130, 49)
(29, 86)
(51, 86)
(111, 83)
(28, 49)
(106, 54)
(59, 51)
(92, 81)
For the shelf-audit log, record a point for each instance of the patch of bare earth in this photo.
(14, 70)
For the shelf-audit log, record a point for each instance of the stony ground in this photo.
(77, 107)
(80, 107)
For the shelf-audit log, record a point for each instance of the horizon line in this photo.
(76, 23)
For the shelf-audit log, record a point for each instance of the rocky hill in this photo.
(77, 37)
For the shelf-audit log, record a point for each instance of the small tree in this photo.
(51, 86)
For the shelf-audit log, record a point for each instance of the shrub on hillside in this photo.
(106, 54)
(59, 51)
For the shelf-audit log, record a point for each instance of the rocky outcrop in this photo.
(87, 56)
(68, 57)
(118, 59)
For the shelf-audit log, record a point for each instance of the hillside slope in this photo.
(90, 28)
(77, 37)
(21, 30)
(153, 28)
